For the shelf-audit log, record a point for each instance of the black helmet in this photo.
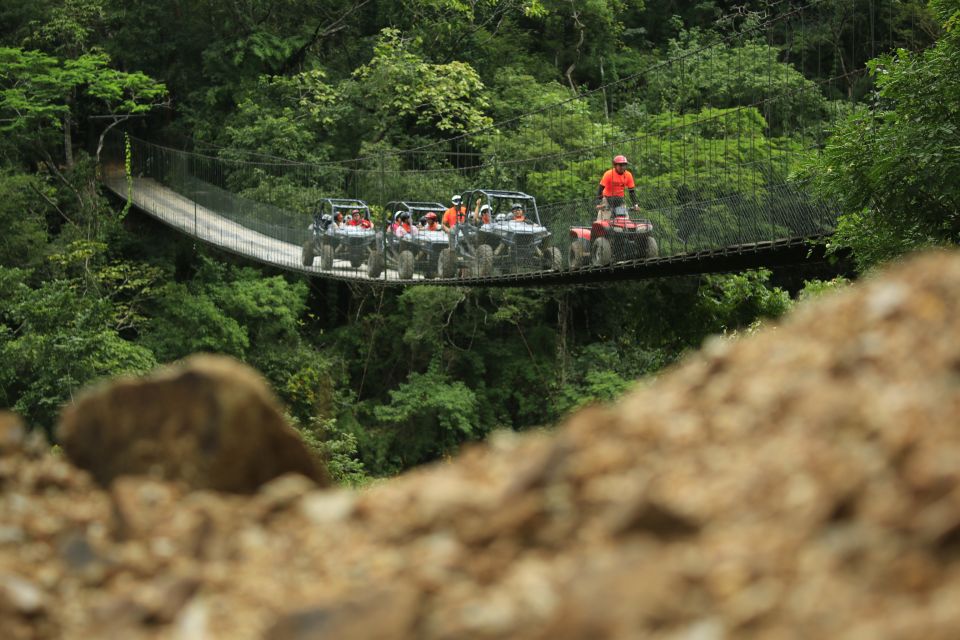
(404, 215)
(517, 206)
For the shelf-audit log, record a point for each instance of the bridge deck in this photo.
(202, 223)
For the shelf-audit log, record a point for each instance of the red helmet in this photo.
(620, 160)
(431, 216)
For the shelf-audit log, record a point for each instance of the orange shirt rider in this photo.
(456, 214)
(615, 181)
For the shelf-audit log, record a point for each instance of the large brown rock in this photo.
(211, 423)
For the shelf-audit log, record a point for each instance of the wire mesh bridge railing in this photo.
(192, 193)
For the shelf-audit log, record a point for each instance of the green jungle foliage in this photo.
(379, 381)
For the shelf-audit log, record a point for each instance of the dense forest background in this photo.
(378, 379)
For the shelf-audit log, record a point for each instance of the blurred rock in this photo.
(12, 432)
(210, 423)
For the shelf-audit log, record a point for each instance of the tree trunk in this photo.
(67, 140)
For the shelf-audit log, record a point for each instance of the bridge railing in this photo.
(192, 192)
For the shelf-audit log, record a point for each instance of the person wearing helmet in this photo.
(612, 185)
(517, 211)
(455, 215)
(362, 221)
(481, 214)
(404, 227)
(396, 221)
(432, 222)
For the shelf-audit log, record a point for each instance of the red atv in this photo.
(612, 239)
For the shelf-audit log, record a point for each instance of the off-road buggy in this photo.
(612, 238)
(332, 240)
(494, 240)
(418, 252)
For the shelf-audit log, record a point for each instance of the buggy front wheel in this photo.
(650, 249)
(405, 265)
(306, 255)
(447, 263)
(579, 253)
(601, 252)
(326, 257)
(552, 259)
(484, 260)
(375, 264)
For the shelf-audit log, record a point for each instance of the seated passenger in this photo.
(362, 221)
(432, 223)
(404, 228)
(396, 221)
(482, 215)
(338, 219)
(354, 219)
(518, 215)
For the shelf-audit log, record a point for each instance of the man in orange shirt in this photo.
(612, 185)
(454, 215)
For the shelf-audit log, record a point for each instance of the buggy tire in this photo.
(356, 261)
(579, 253)
(306, 256)
(405, 265)
(552, 259)
(326, 257)
(601, 252)
(650, 249)
(447, 263)
(484, 267)
(375, 264)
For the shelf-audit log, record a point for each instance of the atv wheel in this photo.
(430, 272)
(306, 256)
(579, 253)
(447, 263)
(405, 265)
(552, 259)
(601, 252)
(484, 259)
(356, 261)
(375, 264)
(650, 249)
(326, 257)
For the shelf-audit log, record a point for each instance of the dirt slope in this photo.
(801, 483)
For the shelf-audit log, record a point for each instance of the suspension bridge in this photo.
(719, 180)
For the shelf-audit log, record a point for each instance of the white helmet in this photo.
(396, 215)
(484, 207)
(456, 199)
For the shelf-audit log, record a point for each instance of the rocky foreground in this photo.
(801, 483)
